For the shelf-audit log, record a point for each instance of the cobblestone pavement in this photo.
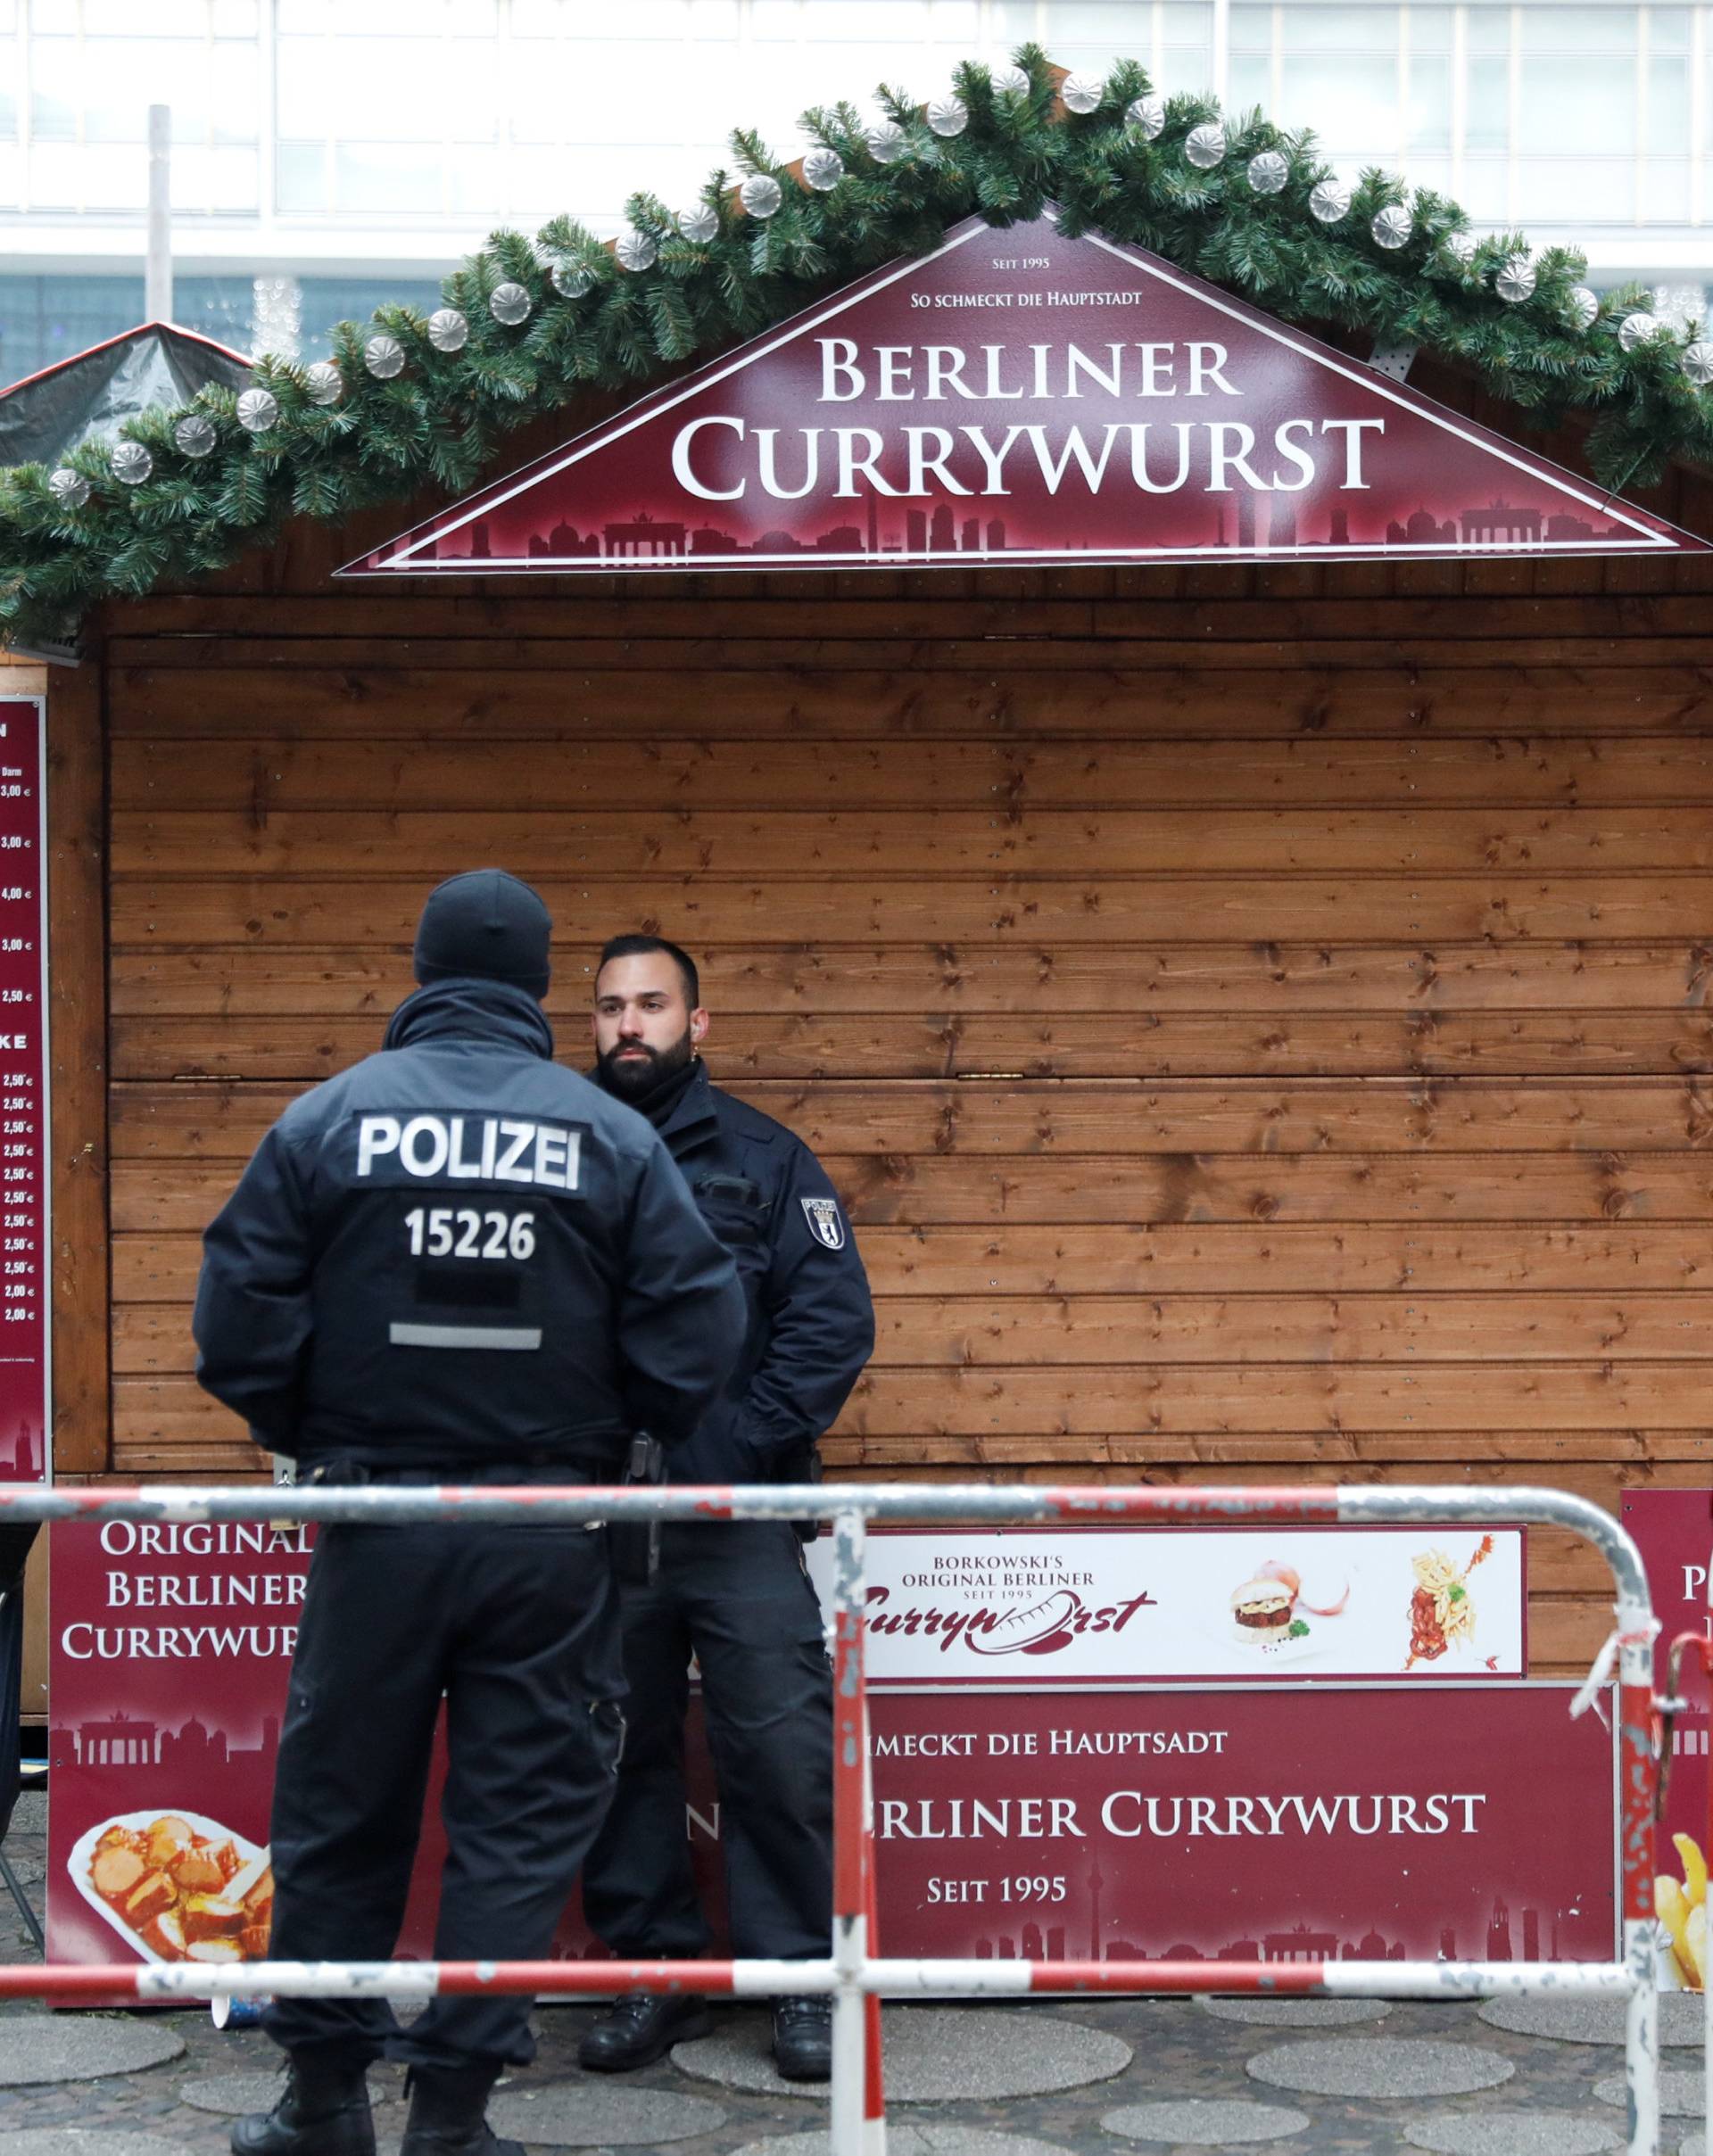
(1189, 2073)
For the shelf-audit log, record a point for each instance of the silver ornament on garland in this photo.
(1638, 328)
(1331, 200)
(258, 411)
(132, 463)
(1583, 307)
(1393, 226)
(885, 142)
(1268, 172)
(325, 384)
(948, 115)
(194, 436)
(511, 303)
(69, 489)
(1011, 82)
(449, 329)
(701, 224)
(762, 195)
(1147, 115)
(1082, 93)
(571, 280)
(1515, 280)
(384, 357)
(635, 251)
(1204, 146)
(823, 170)
(1461, 246)
(1697, 363)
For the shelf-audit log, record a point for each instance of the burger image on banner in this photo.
(1262, 1610)
(1269, 1611)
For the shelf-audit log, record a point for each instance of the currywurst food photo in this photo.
(177, 1887)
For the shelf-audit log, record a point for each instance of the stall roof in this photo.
(90, 396)
(409, 408)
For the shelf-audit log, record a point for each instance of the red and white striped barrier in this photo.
(855, 1974)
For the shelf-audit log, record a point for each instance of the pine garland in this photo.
(594, 322)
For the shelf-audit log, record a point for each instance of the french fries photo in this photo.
(1681, 1906)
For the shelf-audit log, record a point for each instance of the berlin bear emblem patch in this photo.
(826, 1224)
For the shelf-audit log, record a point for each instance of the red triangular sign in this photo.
(1017, 396)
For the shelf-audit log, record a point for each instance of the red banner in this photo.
(169, 1653)
(1017, 396)
(23, 1098)
(1286, 1822)
(1674, 1530)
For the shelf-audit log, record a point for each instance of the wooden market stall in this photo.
(1257, 1015)
(1256, 1010)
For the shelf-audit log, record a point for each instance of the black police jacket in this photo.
(459, 1254)
(810, 1325)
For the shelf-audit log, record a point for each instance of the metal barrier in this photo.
(853, 1977)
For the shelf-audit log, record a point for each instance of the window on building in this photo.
(46, 319)
(94, 68)
(1538, 114)
(383, 110)
(327, 300)
(436, 120)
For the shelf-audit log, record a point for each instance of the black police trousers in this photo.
(517, 1628)
(738, 1597)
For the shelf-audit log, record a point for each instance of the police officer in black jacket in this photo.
(739, 1597)
(456, 1262)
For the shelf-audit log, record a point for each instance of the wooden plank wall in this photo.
(1257, 1033)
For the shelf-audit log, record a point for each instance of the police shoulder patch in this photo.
(826, 1222)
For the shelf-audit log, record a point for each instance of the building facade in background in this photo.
(328, 155)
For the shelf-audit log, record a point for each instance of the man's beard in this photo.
(645, 1069)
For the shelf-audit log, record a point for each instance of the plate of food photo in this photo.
(177, 1887)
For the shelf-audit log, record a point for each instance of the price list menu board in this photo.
(24, 1095)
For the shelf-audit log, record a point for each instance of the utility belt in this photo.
(539, 1468)
(634, 1545)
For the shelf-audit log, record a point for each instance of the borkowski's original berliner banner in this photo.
(1049, 1606)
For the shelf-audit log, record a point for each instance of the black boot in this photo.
(803, 2037)
(323, 2112)
(642, 2028)
(449, 2107)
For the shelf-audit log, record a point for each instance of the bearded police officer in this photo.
(736, 1596)
(456, 1262)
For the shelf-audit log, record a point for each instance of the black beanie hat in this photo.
(485, 924)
